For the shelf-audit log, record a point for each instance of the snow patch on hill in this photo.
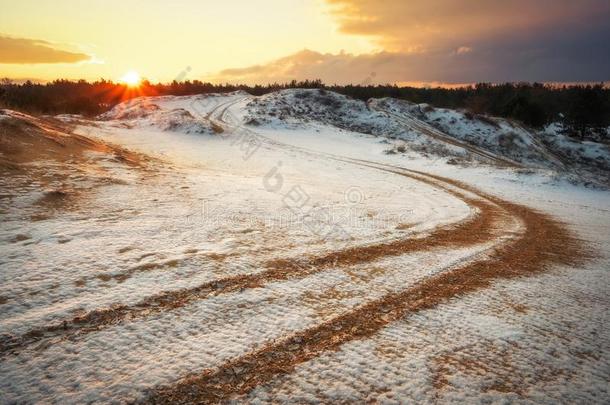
(302, 108)
(595, 155)
(298, 107)
(495, 135)
(549, 148)
(150, 112)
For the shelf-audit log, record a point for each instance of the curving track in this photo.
(540, 242)
(499, 240)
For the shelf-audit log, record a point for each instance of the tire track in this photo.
(546, 242)
(428, 130)
(276, 270)
(481, 226)
(470, 231)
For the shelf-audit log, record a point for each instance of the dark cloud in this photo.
(563, 61)
(26, 51)
(432, 24)
(450, 41)
(497, 40)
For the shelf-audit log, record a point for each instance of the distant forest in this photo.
(584, 110)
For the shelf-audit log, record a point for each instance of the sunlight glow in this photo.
(131, 78)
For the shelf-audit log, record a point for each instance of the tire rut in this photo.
(480, 226)
(545, 242)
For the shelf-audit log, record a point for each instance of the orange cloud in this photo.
(306, 64)
(34, 51)
(346, 68)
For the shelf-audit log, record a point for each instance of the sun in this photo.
(131, 78)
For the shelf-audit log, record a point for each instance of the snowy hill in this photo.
(547, 149)
(434, 131)
(302, 108)
(498, 136)
(299, 107)
(158, 112)
(408, 129)
(290, 257)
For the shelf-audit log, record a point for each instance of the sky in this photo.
(338, 41)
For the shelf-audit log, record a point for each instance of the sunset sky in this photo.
(338, 41)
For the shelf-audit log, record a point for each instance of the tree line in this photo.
(584, 110)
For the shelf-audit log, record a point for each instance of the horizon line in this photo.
(401, 84)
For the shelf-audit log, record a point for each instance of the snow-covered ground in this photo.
(173, 268)
(541, 339)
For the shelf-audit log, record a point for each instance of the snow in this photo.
(211, 206)
(593, 153)
(547, 149)
(477, 334)
(187, 207)
(496, 135)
